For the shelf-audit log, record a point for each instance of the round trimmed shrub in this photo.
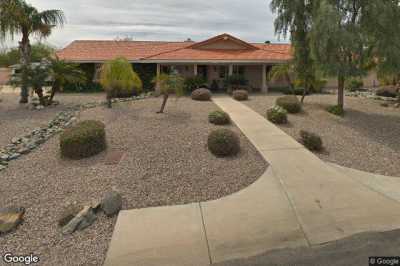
(311, 141)
(277, 115)
(240, 95)
(201, 95)
(335, 110)
(223, 142)
(290, 103)
(86, 139)
(219, 118)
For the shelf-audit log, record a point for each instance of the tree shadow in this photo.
(383, 128)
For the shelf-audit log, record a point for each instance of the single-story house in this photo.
(213, 59)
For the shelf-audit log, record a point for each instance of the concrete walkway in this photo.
(299, 201)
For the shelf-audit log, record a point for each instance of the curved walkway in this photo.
(299, 201)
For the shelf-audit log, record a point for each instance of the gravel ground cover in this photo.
(163, 161)
(16, 119)
(367, 138)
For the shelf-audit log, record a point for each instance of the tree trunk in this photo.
(341, 81)
(109, 102)
(54, 89)
(165, 99)
(39, 92)
(53, 92)
(25, 52)
(305, 91)
(289, 81)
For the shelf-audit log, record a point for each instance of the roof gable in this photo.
(223, 42)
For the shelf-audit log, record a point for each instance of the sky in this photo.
(167, 20)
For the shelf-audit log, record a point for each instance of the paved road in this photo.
(352, 251)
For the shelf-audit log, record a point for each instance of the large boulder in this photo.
(82, 220)
(201, 95)
(111, 204)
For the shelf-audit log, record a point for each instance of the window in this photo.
(222, 72)
(238, 70)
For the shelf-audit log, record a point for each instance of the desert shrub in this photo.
(223, 142)
(336, 110)
(354, 84)
(219, 118)
(86, 139)
(240, 95)
(277, 115)
(193, 83)
(290, 103)
(388, 91)
(201, 95)
(311, 141)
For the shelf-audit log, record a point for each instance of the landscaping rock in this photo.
(82, 220)
(67, 214)
(111, 204)
(10, 218)
(14, 156)
(2, 167)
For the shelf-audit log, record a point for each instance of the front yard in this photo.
(152, 160)
(366, 138)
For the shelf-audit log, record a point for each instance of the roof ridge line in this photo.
(165, 52)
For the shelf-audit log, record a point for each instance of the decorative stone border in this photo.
(21, 145)
(370, 95)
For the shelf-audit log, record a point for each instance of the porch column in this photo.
(230, 70)
(264, 87)
(158, 75)
(195, 70)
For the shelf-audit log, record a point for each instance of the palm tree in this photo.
(36, 77)
(61, 72)
(18, 17)
(283, 71)
(167, 84)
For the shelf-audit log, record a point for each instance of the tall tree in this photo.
(338, 40)
(295, 17)
(18, 17)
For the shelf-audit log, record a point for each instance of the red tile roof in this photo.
(99, 51)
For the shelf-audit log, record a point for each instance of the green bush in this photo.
(219, 118)
(193, 83)
(201, 95)
(354, 84)
(119, 80)
(223, 142)
(311, 141)
(86, 139)
(240, 95)
(277, 115)
(336, 110)
(290, 103)
(388, 91)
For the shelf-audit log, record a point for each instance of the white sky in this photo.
(169, 20)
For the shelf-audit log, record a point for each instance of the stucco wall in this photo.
(370, 81)
(4, 75)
